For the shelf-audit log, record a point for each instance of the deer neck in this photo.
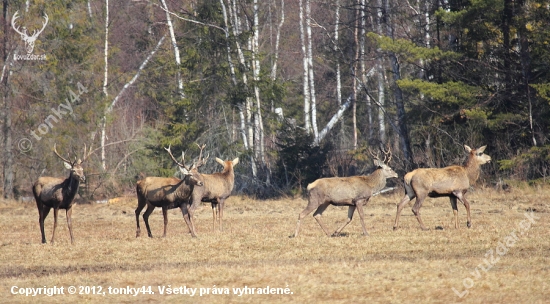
(70, 188)
(376, 180)
(472, 170)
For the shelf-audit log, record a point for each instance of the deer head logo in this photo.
(29, 40)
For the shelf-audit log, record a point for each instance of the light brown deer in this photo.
(58, 193)
(217, 188)
(354, 191)
(452, 181)
(168, 193)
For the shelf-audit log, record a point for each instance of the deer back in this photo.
(163, 190)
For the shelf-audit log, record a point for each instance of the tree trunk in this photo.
(105, 83)
(380, 77)
(401, 114)
(307, 104)
(176, 50)
(310, 68)
(7, 120)
(338, 72)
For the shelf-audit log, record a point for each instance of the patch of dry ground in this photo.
(408, 265)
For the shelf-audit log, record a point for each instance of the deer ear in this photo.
(220, 161)
(481, 149)
(235, 161)
(67, 165)
(378, 163)
(468, 149)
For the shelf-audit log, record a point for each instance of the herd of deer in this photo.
(187, 193)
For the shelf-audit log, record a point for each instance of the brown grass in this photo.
(408, 265)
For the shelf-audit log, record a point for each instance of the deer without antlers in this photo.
(452, 181)
(217, 188)
(168, 193)
(354, 191)
(58, 193)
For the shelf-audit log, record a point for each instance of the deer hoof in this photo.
(395, 228)
(469, 224)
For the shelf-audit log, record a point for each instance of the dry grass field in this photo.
(503, 258)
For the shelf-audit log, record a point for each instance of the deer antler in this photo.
(62, 158)
(200, 161)
(35, 34)
(15, 17)
(175, 160)
(387, 154)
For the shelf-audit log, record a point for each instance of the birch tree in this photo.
(7, 115)
(176, 49)
(105, 83)
(306, 91)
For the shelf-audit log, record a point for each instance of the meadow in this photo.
(503, 258)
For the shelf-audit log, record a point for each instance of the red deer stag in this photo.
(58, 193)
(354, 191)
(217, 188)
(168, 193)
(452, 181)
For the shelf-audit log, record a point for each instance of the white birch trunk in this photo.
(277, 39)
(232, 72)
(307, 105)
(310, 68)
(338, 73)
(176, 49)
(105, 83)
(381, 78)
(256, 72)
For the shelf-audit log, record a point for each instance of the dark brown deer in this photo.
(354, 191)
(217, 188)
(168, 193)
(58, 193)
(452, 182)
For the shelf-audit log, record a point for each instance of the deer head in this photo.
(77, 172)
(192, 173)
(383, 164)
(29, 40)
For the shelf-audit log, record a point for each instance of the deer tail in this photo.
(312, 185)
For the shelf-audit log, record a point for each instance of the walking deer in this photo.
(354, 191)
(452, 181)
(58, 193)
(217, 188)
(168, 193)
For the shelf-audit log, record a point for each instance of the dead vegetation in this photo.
(407, 265)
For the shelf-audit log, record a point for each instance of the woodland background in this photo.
(297, 89)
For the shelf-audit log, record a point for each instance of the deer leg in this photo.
(303, 214)
(68, 213)
(55, 211)
(140, 207)
(221, 202)
(362, 215)
(462, 197)
(317, 216)
(416, 210)
(406, 199)
(188, 217)
(43, 212)
(351, 210)
(148, 212)
(214, 211)
(165, 215)
(455, 209)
